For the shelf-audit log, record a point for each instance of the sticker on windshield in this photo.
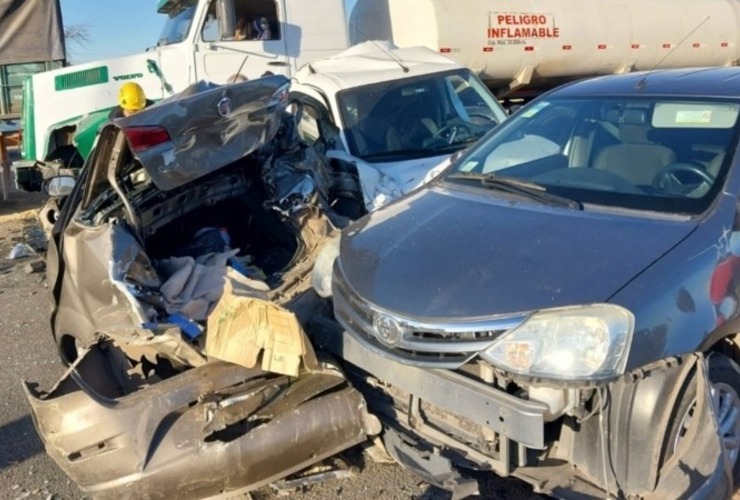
(533, 110)
(695, 115)
(698, 117)
(469, 166)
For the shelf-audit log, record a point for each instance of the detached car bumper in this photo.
(219, 428)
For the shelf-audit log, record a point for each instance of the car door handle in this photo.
(277, 63)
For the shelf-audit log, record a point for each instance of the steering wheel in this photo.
(482, 116)
(668, 180)
(451, 130)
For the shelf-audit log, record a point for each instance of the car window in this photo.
(658, 154)
(179, 20)
(308, 124)
(256, 20)
(423, 116)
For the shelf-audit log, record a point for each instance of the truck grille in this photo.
(84, 78)
(438, 345)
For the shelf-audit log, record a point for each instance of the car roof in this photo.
(372, 62)
(689, 82)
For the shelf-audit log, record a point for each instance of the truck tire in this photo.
(724, 380)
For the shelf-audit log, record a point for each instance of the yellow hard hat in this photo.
(131, 97)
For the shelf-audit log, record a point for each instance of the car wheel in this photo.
(724, 382)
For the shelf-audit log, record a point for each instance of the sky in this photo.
(115, 27)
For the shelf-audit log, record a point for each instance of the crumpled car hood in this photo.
(210, 126)
(450, 255)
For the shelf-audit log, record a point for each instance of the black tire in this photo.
(724, 373)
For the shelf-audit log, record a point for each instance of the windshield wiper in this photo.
(456, 145)
(531, 190)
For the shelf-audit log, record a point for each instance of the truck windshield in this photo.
(417, 117)
(178, 23)
(659, 154)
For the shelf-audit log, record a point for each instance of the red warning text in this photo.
(507, 26)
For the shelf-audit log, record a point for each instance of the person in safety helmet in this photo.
(131, 100)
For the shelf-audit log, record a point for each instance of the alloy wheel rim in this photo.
(726, 404)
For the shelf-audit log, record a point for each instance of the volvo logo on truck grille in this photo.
(387, 330)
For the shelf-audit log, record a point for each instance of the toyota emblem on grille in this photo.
(387, 330)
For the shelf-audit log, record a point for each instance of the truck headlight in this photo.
(323, 267)
(574, 343)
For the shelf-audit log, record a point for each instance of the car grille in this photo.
(438, 345)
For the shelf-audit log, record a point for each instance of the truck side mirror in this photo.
(226, 14)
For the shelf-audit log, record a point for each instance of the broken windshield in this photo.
(425, 116)
(178, 23)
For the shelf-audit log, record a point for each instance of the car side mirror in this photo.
(59, 186)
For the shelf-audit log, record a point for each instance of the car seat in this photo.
(415, 121)
(637, 159)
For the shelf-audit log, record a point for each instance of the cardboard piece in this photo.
(242, 327)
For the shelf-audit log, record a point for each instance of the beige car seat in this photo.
(637, 159)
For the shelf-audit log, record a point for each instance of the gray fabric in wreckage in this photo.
(194, 285)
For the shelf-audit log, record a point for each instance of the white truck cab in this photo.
(393, 114)
(215, 40)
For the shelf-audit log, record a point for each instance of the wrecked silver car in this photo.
(178, 271)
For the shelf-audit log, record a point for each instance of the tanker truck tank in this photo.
(520, 47)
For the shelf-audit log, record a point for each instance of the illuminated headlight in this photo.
(575, 343)
(322, 269)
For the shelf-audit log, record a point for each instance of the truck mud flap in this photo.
(700, 468)
(218, 429)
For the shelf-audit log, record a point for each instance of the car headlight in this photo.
(323, 267)
(581, 343)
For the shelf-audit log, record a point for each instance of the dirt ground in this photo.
(29, 353)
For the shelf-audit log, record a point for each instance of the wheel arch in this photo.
(724, 340)
(634, 454)
(68, 324)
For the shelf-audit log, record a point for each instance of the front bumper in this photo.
(410, 400)
(498, 417)
(213, 430)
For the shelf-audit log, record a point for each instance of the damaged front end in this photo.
(441, 424)
(179, 271)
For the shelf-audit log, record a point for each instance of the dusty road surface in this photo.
(28, 353)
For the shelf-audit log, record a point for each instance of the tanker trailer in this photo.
(521, 48)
